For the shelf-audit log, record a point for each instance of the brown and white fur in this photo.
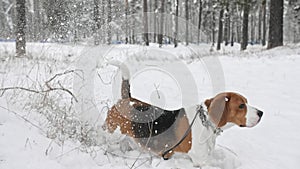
(158, 133)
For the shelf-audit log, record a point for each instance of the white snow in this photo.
(269, 79)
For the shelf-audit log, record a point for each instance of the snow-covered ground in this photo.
(269, 79)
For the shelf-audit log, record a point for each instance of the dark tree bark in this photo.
(213, 26)
(187, 22)
(200, 20)
(276, 24)
(245, 26)
(20, 29)
(252, 31)
(176, 23)
(259, 24)
(126, 21)
(155, 21)
(145, 22)
(264, 16)
(220, 34)
(227, 25)
(232, 26)
(161, 29)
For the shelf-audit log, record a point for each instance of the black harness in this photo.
(206, 123)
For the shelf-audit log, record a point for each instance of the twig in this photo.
(76, 148)
(3, 90)
(60, 74)
(228, 149)
(26, 120)
(156, 88)
(47, 150)
(148, 140)
(105, 83)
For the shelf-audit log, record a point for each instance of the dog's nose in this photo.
(260, 113)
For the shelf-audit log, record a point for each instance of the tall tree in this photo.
(155, 20)
(145, 22)
(264, 22)
(276, 24)
(97, 20)
(259, 23)
(245, 25)
(161, 29)
(232, 25)
(109, 19)
(200, 19)
(3, 22)
(126, 21)
(20, 30)
(227, 24)
(187, 22)
(176, 23)
(220, 34)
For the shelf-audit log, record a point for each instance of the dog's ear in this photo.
(208, 102)
(218, 109)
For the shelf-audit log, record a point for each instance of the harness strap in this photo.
(205, 123)
(181, 140)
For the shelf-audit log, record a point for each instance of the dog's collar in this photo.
(203, 115)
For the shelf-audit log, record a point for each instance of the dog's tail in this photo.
(125, 88)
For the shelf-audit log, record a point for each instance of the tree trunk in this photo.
(259, 24)
(97, 22)
(155, 21)
(126, 21)
(37, 20)
(103, 21)
(213, 26)
(145, 22)
(176, 23)
(3, 22)
(276, 24)
(20, 29)
(232, 26)
(252, 28)
(187, 22)
(109, 19)
(238, 25)
(264, 13)
(200, 20)
(245, 26)
(220, 34)
(161, 30)
(227, 25)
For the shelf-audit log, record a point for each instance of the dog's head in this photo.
(234, 108)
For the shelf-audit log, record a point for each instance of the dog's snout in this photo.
(260, 113)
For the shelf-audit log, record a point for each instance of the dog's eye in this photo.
(242, 106)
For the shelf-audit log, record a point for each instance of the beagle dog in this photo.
(165, 132)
